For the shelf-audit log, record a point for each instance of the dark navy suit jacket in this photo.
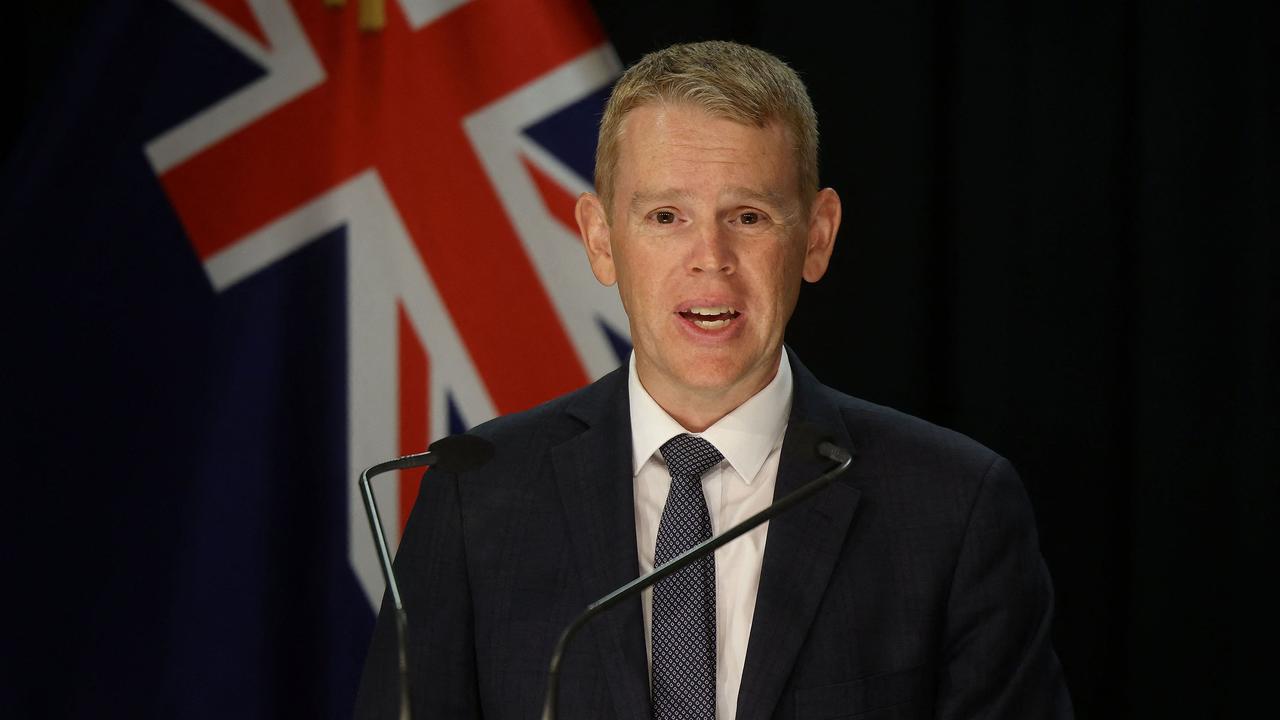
(913, 587)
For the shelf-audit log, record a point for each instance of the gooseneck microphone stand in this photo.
(451, 454)
(416, 460)
(826, 449)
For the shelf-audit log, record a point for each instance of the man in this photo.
(910, 588)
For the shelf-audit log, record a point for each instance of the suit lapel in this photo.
(593, 474)
(594, 478)
(802, 548)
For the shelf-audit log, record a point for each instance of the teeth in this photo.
(715, 310)
(711, 324)
(724, 314)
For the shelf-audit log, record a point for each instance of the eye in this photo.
(751, 218)
(664, 217)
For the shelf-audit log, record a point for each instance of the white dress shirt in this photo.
(750, 438)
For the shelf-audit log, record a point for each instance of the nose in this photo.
(712, 251)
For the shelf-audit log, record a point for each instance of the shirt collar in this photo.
(745, 436)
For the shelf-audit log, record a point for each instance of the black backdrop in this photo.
(1060, 238)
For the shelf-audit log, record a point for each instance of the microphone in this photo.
(806, 438)
(452, 454)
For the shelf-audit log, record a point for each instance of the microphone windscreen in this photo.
(804, 439)
(459, 453)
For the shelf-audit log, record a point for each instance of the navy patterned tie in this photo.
(684, 604)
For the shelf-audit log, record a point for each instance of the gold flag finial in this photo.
(372, 13)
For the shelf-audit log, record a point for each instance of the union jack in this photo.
(451, 146)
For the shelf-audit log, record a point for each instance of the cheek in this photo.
(778, 279)
(639, 301)
(774, 269)
(641, 283)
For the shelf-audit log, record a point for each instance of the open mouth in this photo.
(710, 317)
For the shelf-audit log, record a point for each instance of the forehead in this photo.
(682, 147)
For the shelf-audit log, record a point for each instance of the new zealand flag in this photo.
(252, 250)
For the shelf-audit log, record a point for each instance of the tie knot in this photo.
(689, 456)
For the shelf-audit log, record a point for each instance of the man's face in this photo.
(708, 239)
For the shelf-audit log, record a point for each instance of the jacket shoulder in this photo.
(890, 440)
(530, 432)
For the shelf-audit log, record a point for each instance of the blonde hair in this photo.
(727, 80)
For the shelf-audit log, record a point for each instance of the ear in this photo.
(593, 226)
(824, 221)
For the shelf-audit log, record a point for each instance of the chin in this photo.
(713, 376)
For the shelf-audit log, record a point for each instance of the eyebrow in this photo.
(770, 196)
(639, 199)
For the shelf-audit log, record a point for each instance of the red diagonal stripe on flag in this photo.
(394, 101)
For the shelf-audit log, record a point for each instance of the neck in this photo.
(697, 408)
